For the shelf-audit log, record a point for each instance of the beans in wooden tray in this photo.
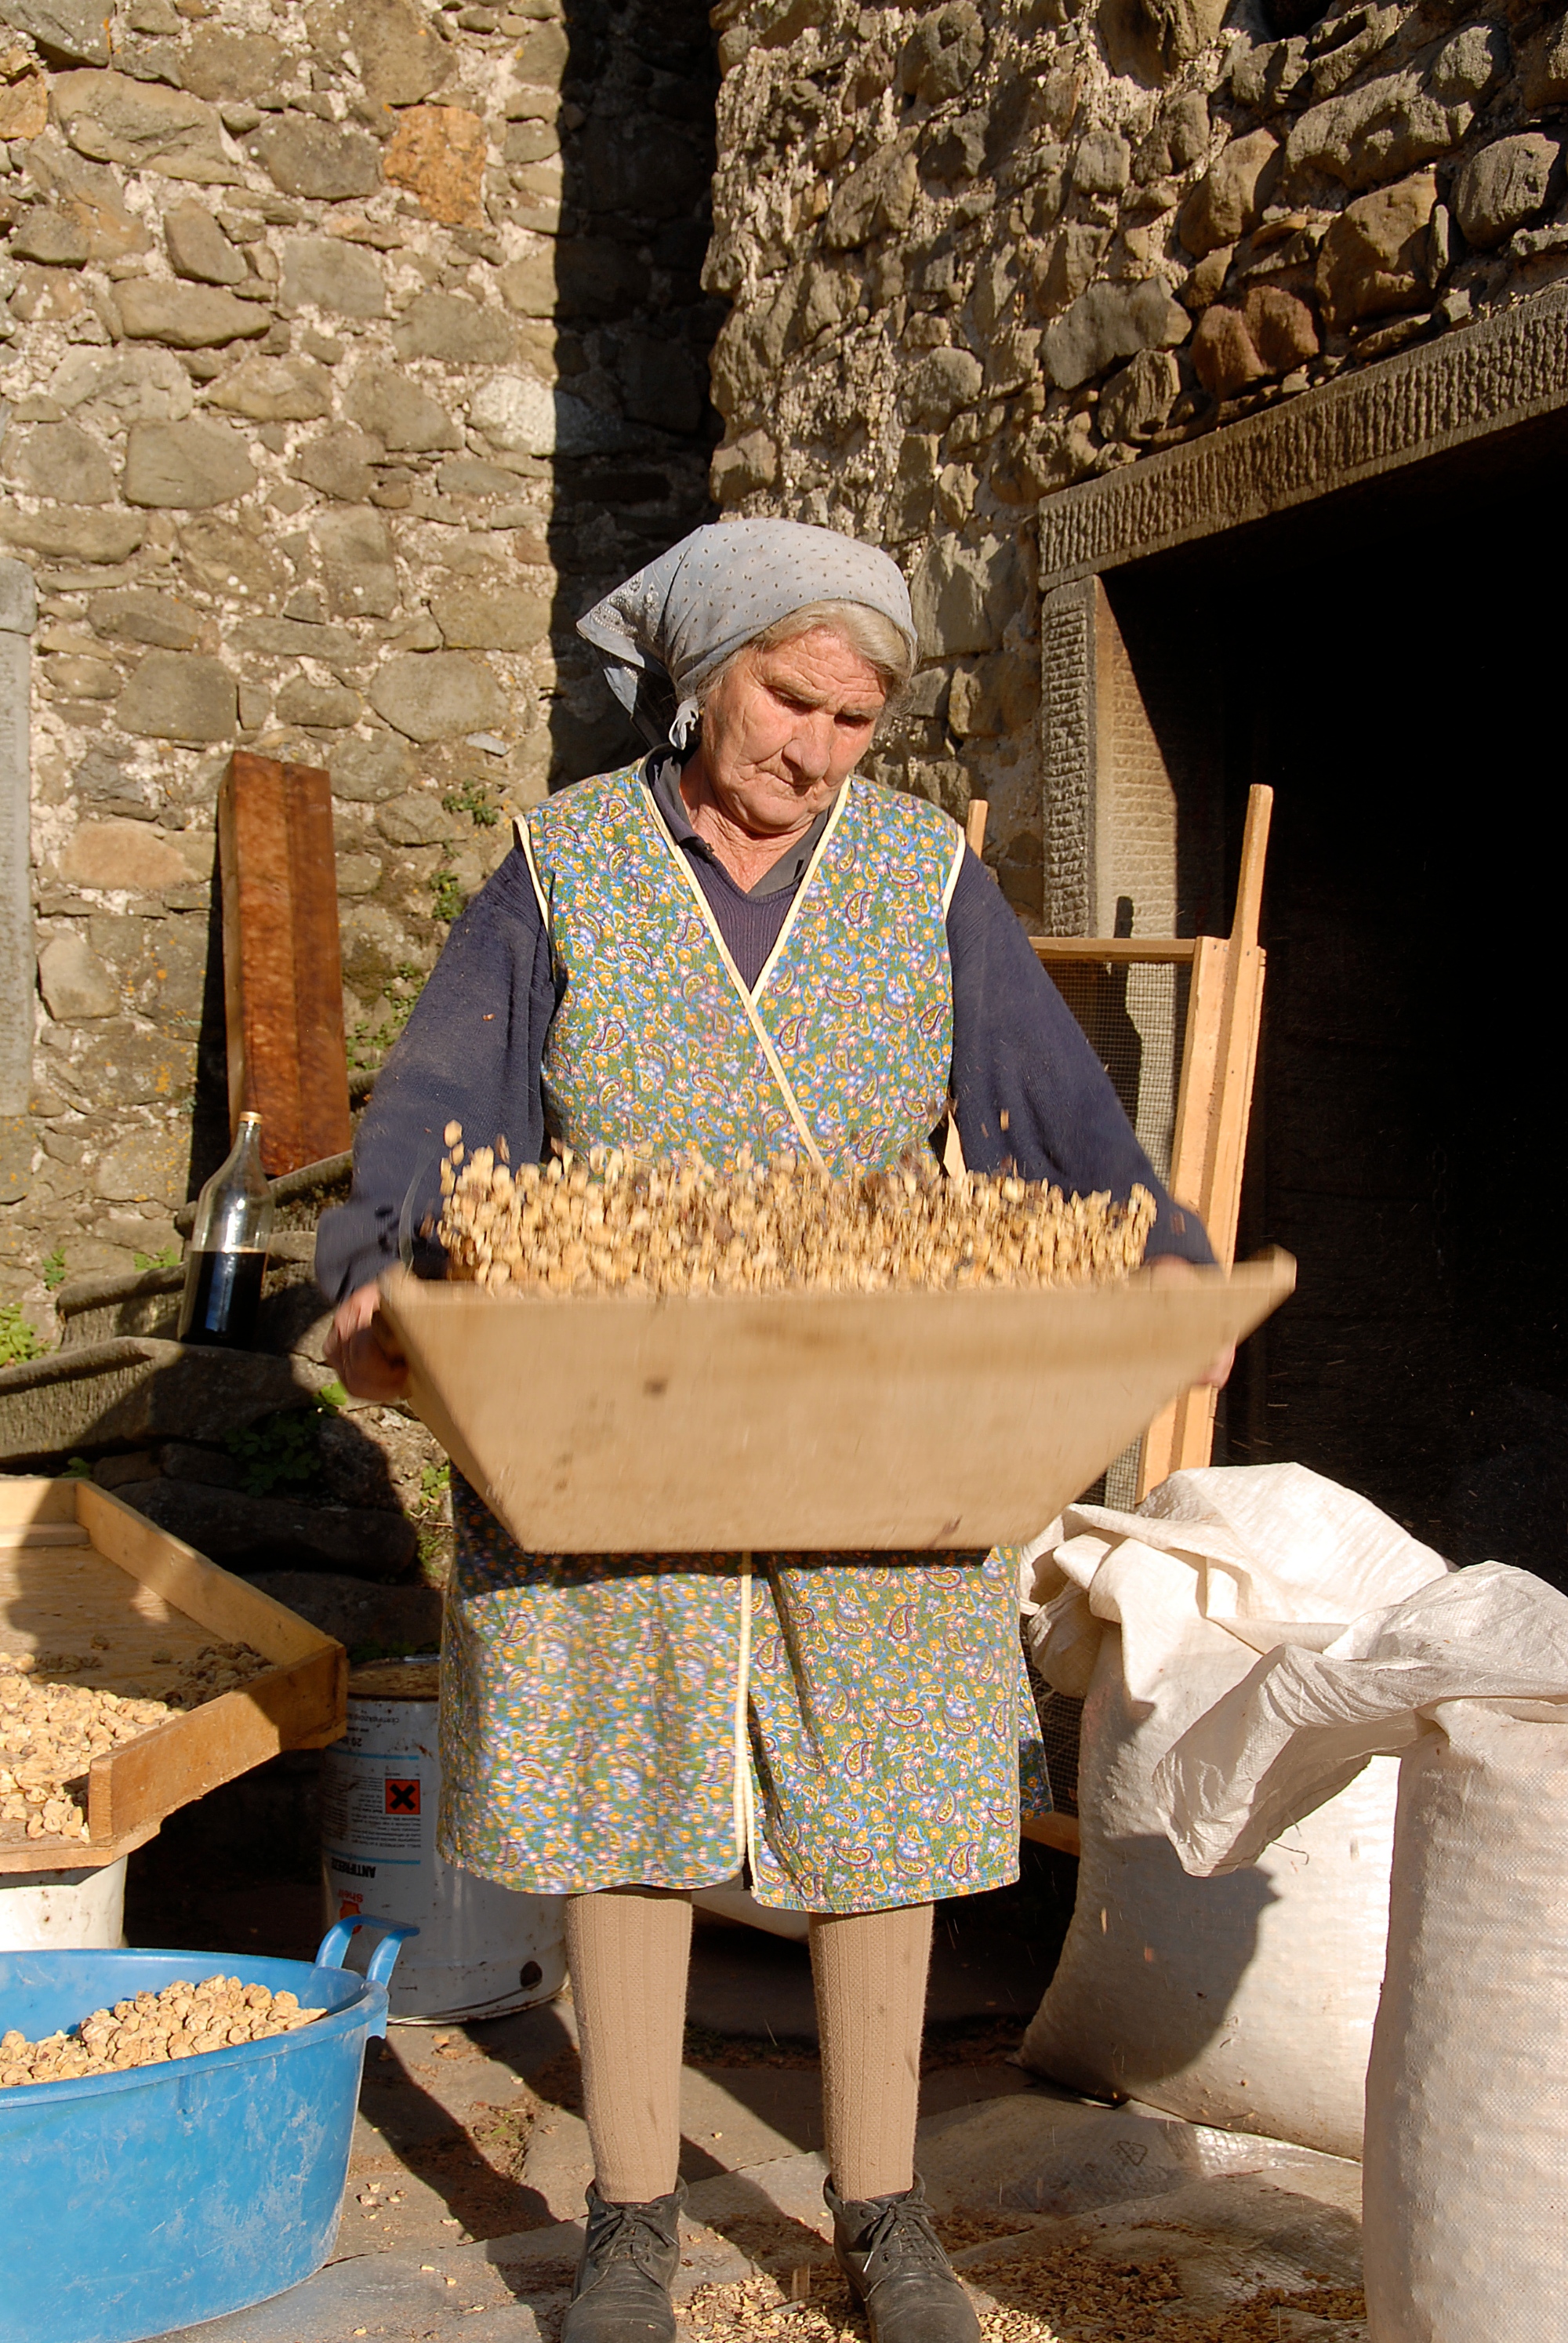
(608, 1223)
(51, 1730)
(178, 2023)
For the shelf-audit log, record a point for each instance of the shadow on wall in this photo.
(635, 427)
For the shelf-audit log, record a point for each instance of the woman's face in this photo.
(785, 727)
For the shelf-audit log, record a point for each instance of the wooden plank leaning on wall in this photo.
(283, 972)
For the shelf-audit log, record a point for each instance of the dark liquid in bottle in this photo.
(222, 1296)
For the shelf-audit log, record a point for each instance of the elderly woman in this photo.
(736, 943)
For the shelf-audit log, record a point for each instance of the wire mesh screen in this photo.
(1135, 1018)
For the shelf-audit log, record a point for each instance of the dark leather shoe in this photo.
(629, 2258)
(898, 2272)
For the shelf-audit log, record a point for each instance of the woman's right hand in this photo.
(363, 1348)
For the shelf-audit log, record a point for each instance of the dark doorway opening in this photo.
(1386, 658)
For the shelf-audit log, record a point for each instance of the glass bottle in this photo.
(227, 1256)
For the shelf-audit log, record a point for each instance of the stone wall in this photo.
(347, 350)
(977, 254)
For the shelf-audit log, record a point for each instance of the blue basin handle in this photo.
(335, 1943)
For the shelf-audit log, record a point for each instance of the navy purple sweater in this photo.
(1029, 1089)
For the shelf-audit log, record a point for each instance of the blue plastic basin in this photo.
(134, 2202)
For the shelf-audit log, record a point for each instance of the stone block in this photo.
(367, 772)
(339, 463)
(367, 1619)
(1387, 126)
(189, 467)
(116, 856)
(58, 460)
(248, 1533)
(878, 199)
(319, 160)
(1543, 66)
(53, 238)
(593, 277)
(1110, 322)
(944, 380)
(744, 468)
(450, 327)
(102, 1309)
(491, 618)
(146, 1167)
(1152, 39)
(1228, 198)
(1503, 186)
(81, 677)
(943, 53)
(518, 412)
(68, 32)
(24, 107)
(1224, 357)
(62, 533)
(437, 152)
(437, 696)
(327, 707)
(231, 560)
(325, 273)
(187, 317)
(1138, 401)
(1374, 260)
(416, 819)
(18, 598)
(222, 65)
(110, 118)
(273, 390)
(401, 58)
(1283, 329)
(964, 594)
(180, 696)
(356, 565)
(1103, 163)
(374, 946)
(404, 418)
(107, 1395)
(199, 249)
(74, 981)
(140, 614)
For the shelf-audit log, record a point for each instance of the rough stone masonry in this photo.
(347, 350)
(978, 254)
(348, 347)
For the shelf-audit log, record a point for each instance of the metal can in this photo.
(482, 1950)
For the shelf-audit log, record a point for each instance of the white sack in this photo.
(1466, 2171)
(1246, 2003)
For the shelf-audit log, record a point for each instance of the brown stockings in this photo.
(628, 1950)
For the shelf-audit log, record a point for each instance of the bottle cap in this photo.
(250, 1115)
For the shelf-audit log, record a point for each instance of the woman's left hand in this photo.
(1171, 1268)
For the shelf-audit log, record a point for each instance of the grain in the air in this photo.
(608, 1223)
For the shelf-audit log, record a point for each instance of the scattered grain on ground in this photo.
(1072, 2295)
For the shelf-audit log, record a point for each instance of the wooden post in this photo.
(283, 972)
(1224, 1011)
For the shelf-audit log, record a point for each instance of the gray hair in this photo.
(872, 635)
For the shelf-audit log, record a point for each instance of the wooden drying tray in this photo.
(814, 1422)
(81, 1573)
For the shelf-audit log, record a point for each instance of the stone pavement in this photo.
(461, 2215)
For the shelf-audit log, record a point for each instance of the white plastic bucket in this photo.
(481, 1950)
(63, 1911)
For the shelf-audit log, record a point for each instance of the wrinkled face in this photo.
(784, 729)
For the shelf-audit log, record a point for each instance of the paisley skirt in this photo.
(850, 1728)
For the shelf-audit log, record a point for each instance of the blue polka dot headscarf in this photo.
(664, 634)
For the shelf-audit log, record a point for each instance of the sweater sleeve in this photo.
(1027, 1086)
(470, 1053)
